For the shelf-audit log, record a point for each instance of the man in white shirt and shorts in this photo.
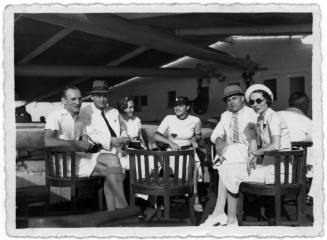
(65, 128)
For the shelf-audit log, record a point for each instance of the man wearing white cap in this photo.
(234, 128)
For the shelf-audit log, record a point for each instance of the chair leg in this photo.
(73, 207)
(278, 210)
(262, 210)
(156, 206)
(131, 197)
(240, 208)
(240, 213)
(300, 208)
(215, 181)
(100, 199)
(284, 212)
(166, 205)
(191, 209)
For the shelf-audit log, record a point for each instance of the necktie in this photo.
(236, 138)
(260, 127)
(112, 132)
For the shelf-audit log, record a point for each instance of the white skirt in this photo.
(233, 170)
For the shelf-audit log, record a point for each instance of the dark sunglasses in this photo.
(258, 101)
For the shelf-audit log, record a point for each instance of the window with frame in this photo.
(140, 102)
(297, 84)
(272, 85)
(171, 98)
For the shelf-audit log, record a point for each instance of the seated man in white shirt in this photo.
(64, 128)
(234, 128)
(300, 126)
(104, 126)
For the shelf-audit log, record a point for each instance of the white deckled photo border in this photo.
(10, 132)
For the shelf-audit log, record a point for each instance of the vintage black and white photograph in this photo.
(133, 119)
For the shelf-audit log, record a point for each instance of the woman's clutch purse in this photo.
(96, 148)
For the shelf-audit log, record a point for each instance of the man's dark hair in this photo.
(64, 91)
(294, 99)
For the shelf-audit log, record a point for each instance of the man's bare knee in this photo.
(114, 170)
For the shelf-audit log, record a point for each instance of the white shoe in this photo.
(220, 220)
(198, 207)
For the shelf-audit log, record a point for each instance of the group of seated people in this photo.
(99, 133)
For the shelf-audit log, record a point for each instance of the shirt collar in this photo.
(63, 111)
(95, 109)
(98, 110)
(268, 112)
(239, 111)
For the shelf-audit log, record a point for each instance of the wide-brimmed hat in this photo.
(99, 86)
(256, 87)
(181, 101)
(232, 89)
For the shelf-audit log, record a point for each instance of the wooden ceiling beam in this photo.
(53, 92)
(80, 80)
(128, 56)
(35, 70)
(46, 45)
(257, 30)
(145, 15)
(121, 29)
(17, 17)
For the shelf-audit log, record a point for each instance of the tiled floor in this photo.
(208, 208)
(180, 213)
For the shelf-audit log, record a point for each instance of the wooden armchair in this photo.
(162, 173)
(289, 179)
(302, 145)
(60, 172)
(215, 175)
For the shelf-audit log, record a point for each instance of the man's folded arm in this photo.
(51, 141)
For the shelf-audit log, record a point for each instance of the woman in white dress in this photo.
(181, 131)
(239, 165)
(133, 124)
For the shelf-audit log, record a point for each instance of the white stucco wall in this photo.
(282, 57)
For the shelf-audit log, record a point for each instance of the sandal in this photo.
(198, 207)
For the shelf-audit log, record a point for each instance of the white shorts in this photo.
(85, 163)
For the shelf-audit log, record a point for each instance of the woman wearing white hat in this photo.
(271, 133)
(272, 129)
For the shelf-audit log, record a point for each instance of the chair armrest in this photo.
(302, 144)
(59, 149)
(286, 152)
